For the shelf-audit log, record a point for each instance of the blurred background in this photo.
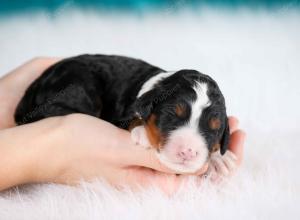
(251, 48)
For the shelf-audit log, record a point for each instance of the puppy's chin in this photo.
(179, 166)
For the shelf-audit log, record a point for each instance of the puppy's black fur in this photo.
(107, 86)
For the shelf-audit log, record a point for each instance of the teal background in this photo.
(19, 6)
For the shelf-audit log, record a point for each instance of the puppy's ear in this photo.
(145, 104)
(225, 138)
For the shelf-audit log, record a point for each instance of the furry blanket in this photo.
(254, 56)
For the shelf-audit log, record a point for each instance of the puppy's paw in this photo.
(221, 166)
(139, 136)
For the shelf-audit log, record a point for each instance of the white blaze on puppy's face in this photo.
(186, 149)
(153, 81)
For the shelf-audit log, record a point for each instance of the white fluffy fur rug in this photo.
(255, 57)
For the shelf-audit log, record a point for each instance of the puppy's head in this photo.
(185, 118)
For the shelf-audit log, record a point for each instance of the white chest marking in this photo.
(150, 83)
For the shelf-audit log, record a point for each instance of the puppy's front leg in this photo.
(139, 136)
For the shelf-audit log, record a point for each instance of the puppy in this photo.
(181, 114)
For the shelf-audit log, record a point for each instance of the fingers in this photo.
(148, 158)
(230, 161)
(140, 177)
(233, 123)
(221, 166)
(237, 139)
(236, 144)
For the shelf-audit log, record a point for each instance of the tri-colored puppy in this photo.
(182, 113)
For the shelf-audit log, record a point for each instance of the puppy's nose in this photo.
(187, 153)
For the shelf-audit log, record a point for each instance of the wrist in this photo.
(27, 153)
(49, 157)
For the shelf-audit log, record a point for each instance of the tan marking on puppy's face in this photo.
(180, 110)
(153, 133)
(215, 123)
(215, 147)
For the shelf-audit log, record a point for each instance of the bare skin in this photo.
(79, 147)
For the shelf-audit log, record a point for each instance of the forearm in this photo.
(14, 84)
(26, 153)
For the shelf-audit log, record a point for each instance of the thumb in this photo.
(147, 157)
(133, 155)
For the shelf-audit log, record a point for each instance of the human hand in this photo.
(91, 148)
